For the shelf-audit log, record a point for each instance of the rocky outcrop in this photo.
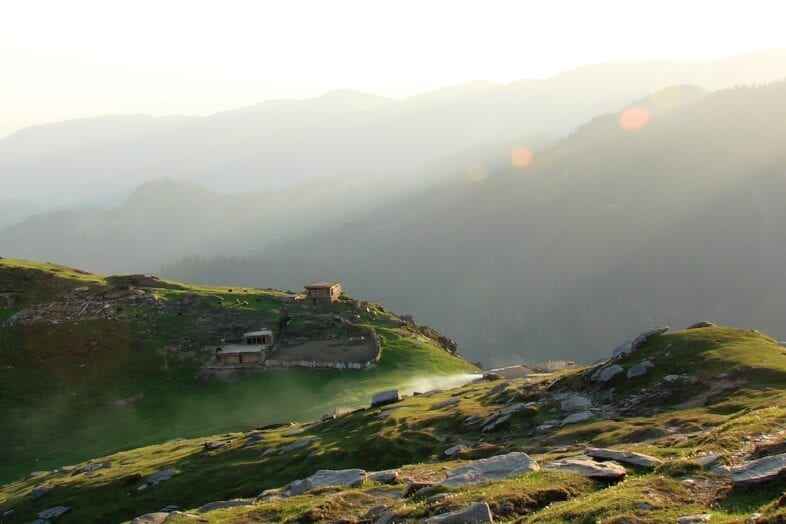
(627, 457)
(223, 504)
(476, 513)
(325, 477)
(575, 403)
(53, 513)
(759, 471)
(640, 369)
(492, 468)
(575, 418)
(635, 343)
(383, 398)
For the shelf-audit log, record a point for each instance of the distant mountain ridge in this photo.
(284, 141)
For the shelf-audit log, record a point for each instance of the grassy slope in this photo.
(414, 436)
(71, 391)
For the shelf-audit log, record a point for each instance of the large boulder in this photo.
(605, 471)
(607, 373)
(640, 369)
(575, 418)
(478, 512)
(628, 457)
(760, 470)
(575, 403)
(326, 477)
(492, 468)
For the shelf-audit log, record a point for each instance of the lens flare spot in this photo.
(634, 118)
(521, 157)
(477, 172)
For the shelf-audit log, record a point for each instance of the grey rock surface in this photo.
(760, 470)
(160, 476)
(635, 343)
(387, 476)
(575, 403)
(640, 369)
(53, 513)
(326, 477)
(478, 512)
(222, 504)
(608, 373)
(492, 468)
(628, 457)
(151, 518)
(607, 471)
(385, 397)
(575, 418)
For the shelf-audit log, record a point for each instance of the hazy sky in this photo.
(62, 59)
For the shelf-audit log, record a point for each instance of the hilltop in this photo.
(93, 364)
(688, 424)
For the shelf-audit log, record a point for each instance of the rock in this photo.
(53, 513)
(169, 509)
(479, 512)
(325, 477)
(445, 403)
(385, 397)
(709, 460)
(151, 518)
(495, 423)
(81, 289)
(705, 517)
(581, 416)
(606, 471)
(416, 488)
(453, 450)
(39, 492)
(635, 343)
(222, 504)
(216, 444)
(160, 476)
(388, 476)
(491, 376)
(296, 445)
(520, 407)
(701, 324)
(575, 403)
(640, 369)
(253, 439)
(628, 457)
(608, 373)
(499, 388)
(270, 493)
(760, 470)
(492, 468)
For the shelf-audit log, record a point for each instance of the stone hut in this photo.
(322, 293)
(250, 349)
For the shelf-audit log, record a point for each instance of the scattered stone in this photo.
(575, 418)
(709, 460)
(628, 457)
(689, 519)
(479, 512)
(495, 422)
(606, 471)
(223, 504)
(325, 477)
(416, 488)
(160, 476)
(492, 468)
(453, 450)
(499, 388)
(635, 343)
(701, 324)
(640, 369)
(440, 497)
(53, 513)
(386, 397)
(37, 493)
(296, 445)
(760, 470)
(388, 476)
(151, 518)
(608, 373)
(575, 403)
(445, 403)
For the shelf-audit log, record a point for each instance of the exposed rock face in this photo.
(37, 493)
(760, 470)
(479, 512)
(326, 477)
(499, 388)
(160, 476)
(385, 397)
(628, 457)
(640, 369)
(53, 513)
(575, 403)
(222, 504)
(702, 324)
(607, 373)
(151, 518)
(492, 468)
(581, 416)
(606, 471)
(388, 476)
(635, 343)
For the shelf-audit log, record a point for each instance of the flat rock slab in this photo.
(606, 471)
(223, 504)
(479, 512)
(575, 418)
(151, 518)
(760, 470)
(53, 513)
(386, 397)
(388, 476)
(445, 403)
(326, 477)
(628, 457)
(575, 403)
(160, 476)
(492, 468)
(608, 373)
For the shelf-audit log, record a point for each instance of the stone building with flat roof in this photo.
(322, 293)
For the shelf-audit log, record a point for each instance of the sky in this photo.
(82, 58)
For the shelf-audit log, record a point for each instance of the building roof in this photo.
(260, 333)
(240, 348)
(322, 285)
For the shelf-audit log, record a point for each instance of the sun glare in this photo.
(521, 157)
(634, 118)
